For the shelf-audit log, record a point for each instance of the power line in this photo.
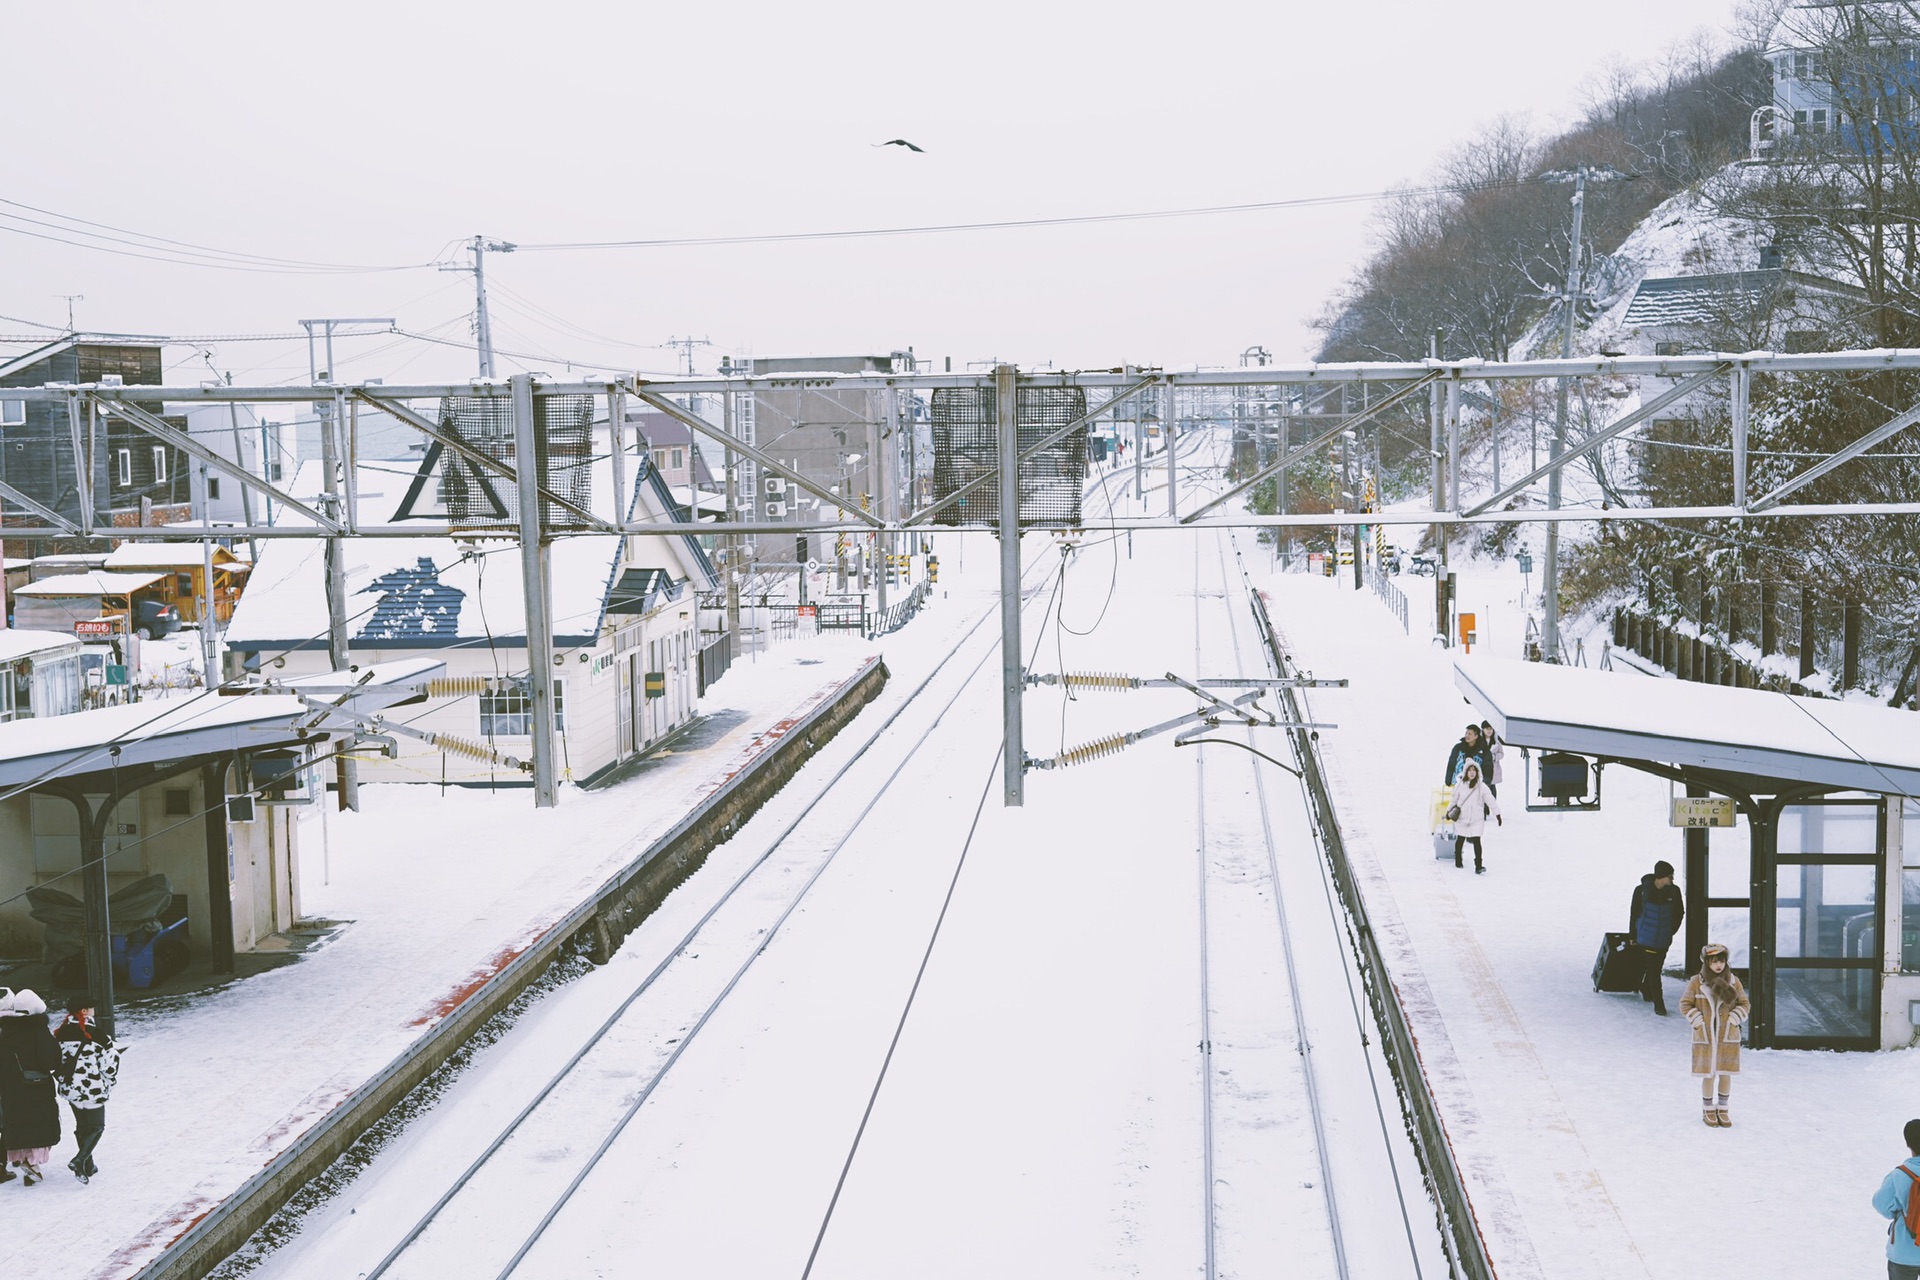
(1260, 206)
(236, 260)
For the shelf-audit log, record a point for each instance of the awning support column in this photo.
(213, 798)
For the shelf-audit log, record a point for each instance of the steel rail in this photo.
(1459, 1229)
(1206, 996)
(599, 1034)
(687, 1037)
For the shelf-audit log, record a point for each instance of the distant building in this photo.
(829, 436)
(136, 478)
(1880, 98)
(626, 629)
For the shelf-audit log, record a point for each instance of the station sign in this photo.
(93, 628)
(1702, 811)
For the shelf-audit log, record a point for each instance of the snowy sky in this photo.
(379, 134)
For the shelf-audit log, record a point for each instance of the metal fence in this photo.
(714, 661)
(900, 613)
(1390, 595)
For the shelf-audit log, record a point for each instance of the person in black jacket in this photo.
(29, 1116)
(1655, 916)
(1470, 747)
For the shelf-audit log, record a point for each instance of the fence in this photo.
(1393, 597)
(900, 613)
(714, 661)
(1769, 635)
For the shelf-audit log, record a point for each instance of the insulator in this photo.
(1093, 750)
(463, 747)
(1105, 681)
(458, 686)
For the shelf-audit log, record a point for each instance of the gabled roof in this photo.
(26, 360)
(641, 591)
(20, 642)
(1685, 300)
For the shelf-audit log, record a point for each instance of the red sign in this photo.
(809, 611)
(94, 627)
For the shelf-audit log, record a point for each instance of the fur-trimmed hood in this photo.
(20, 1004)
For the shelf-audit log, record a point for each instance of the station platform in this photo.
(426, 896)
(1573, 1114)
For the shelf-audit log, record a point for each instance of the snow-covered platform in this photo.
(1573, 1114)
(434, 893)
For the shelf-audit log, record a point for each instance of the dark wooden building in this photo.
(136, 479)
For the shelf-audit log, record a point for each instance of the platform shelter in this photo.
(193, 788)
(1814, 885)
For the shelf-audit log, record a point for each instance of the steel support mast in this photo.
(537, 584)
(1013, 677)
(1550, 570)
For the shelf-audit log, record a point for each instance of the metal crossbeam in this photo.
(1598, 438)
(432, 431)
(61, 523)
(135, 416)
(1028, 454)
(1888, 429)
(1319, 441)
(695, 422)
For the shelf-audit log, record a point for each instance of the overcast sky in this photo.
(380, 134)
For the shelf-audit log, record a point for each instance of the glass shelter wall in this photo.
(1826, 934)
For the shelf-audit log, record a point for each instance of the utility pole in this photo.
(1013, 676)
(1570, 302)
(686, 346)
(346, 772)
(1435, 459)
(479, 247)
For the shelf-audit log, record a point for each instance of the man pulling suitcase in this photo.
(1655, 916)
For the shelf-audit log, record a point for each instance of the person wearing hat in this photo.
(89, 1066)
(1716, 1006)
(29, 1115)
(1652, 920)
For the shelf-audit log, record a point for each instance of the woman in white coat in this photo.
(1473, 804)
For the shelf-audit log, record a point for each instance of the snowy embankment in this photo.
(1574, 1113)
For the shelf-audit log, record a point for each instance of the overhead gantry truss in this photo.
(87, 406)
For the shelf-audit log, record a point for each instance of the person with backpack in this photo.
(1899, 1199)
(29, 1116)
(1716, 1006)
(1472, 805)
(1653, 918)
(89, 1066)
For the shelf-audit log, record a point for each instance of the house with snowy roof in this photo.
(626, 626)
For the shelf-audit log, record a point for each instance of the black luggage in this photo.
(1620, 966)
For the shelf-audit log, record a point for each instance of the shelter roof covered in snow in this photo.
(1749, 732)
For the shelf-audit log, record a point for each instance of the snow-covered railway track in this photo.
(1289, 1101)
(658, 1018)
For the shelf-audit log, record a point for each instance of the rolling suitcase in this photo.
(1620, 966)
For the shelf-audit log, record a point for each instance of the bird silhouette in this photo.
(900, 142)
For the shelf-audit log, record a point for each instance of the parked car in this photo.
(156, 618)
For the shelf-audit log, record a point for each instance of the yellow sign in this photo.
(1702, 811)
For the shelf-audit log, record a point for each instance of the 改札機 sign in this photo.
(1702, 811)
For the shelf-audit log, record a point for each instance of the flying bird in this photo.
(900, 142)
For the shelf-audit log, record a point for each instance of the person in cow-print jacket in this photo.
(89, 1067)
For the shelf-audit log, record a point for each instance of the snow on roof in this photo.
(179, 728)
(19, 642)
(1699, 299)
(1750, 732)
(166, 555)
(437, 592)
(98, 582)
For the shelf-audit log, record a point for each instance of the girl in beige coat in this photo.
(1473, 804)
(1716, 1006)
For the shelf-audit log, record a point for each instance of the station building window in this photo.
(508, 713)
(1910, 886)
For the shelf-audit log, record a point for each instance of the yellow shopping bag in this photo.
(1442, 801)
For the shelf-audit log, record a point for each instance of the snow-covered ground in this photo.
(1575, 1115)
(434, 887)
